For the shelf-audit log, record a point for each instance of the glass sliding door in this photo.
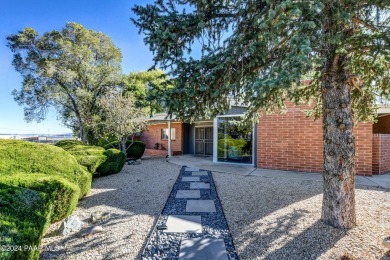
(235, 140)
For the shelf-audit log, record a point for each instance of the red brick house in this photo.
(289, 141)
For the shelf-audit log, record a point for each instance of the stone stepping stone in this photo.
(188, 194)
(184, 224)
(190, 169)
(199, 185)
(190, 179)
(202, 248)
(200, 206)
(201, 173)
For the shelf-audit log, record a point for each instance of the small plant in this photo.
(156, 146)
(163, 147)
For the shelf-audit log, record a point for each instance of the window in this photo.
(165, 131)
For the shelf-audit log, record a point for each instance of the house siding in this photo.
(382, 126)
(381, 153)
(152, 135)
(293, 142)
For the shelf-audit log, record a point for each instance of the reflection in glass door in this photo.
(204, 140)
(234, 140)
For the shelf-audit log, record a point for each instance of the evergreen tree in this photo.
(258, 52)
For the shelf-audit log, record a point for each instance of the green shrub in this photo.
(68, 144)
(95, 158)
(135, 151)
(103, 142)
(24, 217)
(19, 157)
(62, 194)
(87, 155)
(114, 163)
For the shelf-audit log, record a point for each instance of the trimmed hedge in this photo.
(62, 194)
(39, 184)
(87, 155)
(25, 157)
(95, 158)
(24, 217)
(114, 163)
(135, 151)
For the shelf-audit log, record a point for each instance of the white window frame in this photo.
(164, 131)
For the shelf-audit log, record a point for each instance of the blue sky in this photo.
(111, 17)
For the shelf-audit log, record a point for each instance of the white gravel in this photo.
(134, 197)
(279, 218)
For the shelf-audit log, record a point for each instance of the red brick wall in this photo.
(152, 135)
(382, 126)
(291, 141)
(155, 153)
(380, 153)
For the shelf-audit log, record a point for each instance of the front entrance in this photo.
(204, 140)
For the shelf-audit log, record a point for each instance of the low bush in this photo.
(95, 158)
(114, 163)
(135, 148)
(39, 184)
(24, 217)
(87, 155)
(62, 194)
(19, 157)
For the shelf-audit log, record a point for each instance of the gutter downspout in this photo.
(169, 138)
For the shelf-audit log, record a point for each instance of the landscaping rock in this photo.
(70, 225)
(134, 162)
(91, 230)
(99, 216)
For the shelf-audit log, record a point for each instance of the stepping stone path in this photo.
(192, 224)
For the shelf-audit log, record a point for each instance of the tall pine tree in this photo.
(259, 52)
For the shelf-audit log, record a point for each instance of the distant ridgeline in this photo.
(40, 138)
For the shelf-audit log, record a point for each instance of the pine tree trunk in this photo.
(338, 206)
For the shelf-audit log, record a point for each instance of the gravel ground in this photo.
(134, 197)
(279, 218)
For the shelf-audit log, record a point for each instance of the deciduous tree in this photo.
(119, 118)
(68, 70)
(146, 87)
(258, 52)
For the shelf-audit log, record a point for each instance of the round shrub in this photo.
(62, 194)
(24, 217)
(95, 158)
(67, 144)
(87, 155)
(114, 162)
(20, 157)
(135, 148)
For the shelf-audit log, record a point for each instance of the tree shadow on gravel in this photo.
(269, 220)
(137, 191)
(279, 218)
(310, 244)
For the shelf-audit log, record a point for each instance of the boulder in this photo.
(99, 216)
(70, 225)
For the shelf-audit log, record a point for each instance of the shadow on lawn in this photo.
(128, 194)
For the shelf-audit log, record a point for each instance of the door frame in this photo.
(215, 141)
(203, 126)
